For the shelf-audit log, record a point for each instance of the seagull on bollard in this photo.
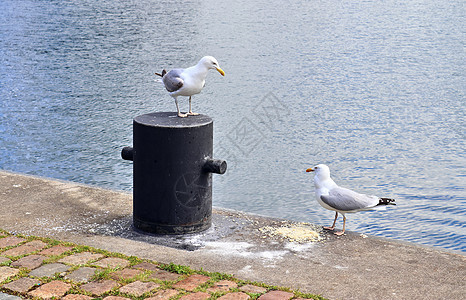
(189, 81)
(342, 200)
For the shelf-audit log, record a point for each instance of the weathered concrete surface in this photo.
(348, 267)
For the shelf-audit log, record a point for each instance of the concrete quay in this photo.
(353, 266)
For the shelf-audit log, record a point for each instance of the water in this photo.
(374, 91)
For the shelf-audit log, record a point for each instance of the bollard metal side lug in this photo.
(217, 166)
(127, 153)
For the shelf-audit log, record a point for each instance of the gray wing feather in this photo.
(172, 80)
(347, 200)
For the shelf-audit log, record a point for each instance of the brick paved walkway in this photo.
(38, 268)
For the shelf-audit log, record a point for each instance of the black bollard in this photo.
(172, 172)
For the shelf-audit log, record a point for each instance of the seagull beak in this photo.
(220, 71)
(310, 170)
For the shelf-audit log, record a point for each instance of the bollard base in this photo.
(164, 229)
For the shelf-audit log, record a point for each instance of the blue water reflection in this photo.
(375, 91)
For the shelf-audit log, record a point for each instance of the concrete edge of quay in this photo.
(354, 266)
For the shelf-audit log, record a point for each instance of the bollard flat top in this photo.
(170, 119)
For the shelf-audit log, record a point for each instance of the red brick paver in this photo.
(235, 296)
(30, 262)
(164, 295)
(191, 282)
(249, 288)
(196, 296)
(55, 250)
(115, 298)
(276, 295)
(80, 258)
(138, 288)
(25, 248)
(99, 287)
(112, 262)
(76, 297)
(222, 286)
(52, 289)
(10, 241)
(22, 285)
(6, 272)
(3, 259)
(164, 275)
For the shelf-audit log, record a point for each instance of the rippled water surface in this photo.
(374, 91)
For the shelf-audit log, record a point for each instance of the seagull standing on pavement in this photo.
(188, 82)
(342, 200)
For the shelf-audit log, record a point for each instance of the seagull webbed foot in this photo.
(181, 115)
(192, 114)
(339, 233)
(329, 228)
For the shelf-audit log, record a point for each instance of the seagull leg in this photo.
(178, 109)
(334, 221)
(343, 231)
(191, 113)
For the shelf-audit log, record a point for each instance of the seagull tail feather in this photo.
(163, 73)
(386, 201)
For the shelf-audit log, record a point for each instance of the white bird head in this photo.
(210, 62)
(322, 172)
(322, 176)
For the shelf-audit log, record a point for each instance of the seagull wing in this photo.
(172, 80)
(343, 199)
